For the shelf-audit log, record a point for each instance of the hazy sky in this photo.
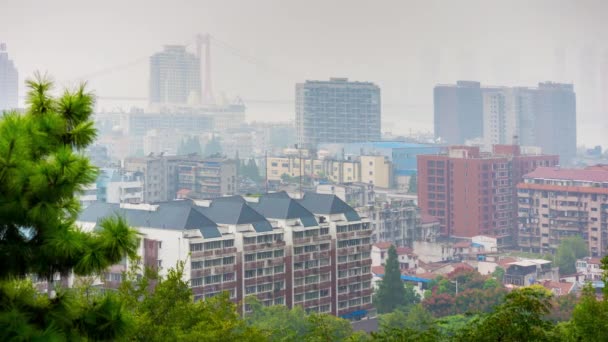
(403, 46)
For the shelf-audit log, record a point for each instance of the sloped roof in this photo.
(590, 175)
(383, 244)
(176, 215)
(235, 210)
(327, 204)
(279, 205)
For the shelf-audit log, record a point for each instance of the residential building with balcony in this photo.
(473, 193)
(393, 220)
(313, 252)
(554, 203)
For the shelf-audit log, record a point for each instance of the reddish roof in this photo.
(378, 269)
(383, 244)
(591, 175)
(560, 288)
(405, 251)
(462, 244)
(426, 218)
(603, 167)
(594, 260)
(426, 275)
(504, 262)
(463, 265)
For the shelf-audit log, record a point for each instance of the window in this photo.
(342, 289)
(279, 269)
(249, 273)
(279, 253)
(324, 293)
(228, 276)
(249, 257)
(249, 240)
(312, 295)
(228, 243)
(250, 289)
(229, 260)
(160, 263)
(279, 301)
(323, 231)
(196, 282)
(196, 265)
(213, 262)
(342, 274)
(160, 244)
(213, 279)
(196, 247)
(264, 255)
(342, 304)
(213, 245)
(298, 297)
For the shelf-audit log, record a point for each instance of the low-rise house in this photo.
(528, 271)
(590, 268)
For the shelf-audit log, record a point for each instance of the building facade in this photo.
(165, 176)
(9, 81)
(396, 221)
(337, 111)
(313, 252)
(543, 116)
(473, 193)
(372, 170)
(458, 112)
(555, 203)
(175, 76)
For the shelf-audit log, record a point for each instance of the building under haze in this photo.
(175, 76)
(543, 116)
(337, 111)
(458, 112)
(9, 81)
(473, 193)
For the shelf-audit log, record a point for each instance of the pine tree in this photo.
(391, 293)
(42, 167)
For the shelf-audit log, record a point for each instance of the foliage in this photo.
(520, 318)
(450, 326)
(42, 167)
(190, 145)
(590, 318)
(250, 170)
(173, 314)
(413, 184)
(213, 147)
(570, 249)
(499, 273)
(391, 292)
(280, 323)
(417, 319)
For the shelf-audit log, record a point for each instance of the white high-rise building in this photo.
(9, 81)
(175, 76)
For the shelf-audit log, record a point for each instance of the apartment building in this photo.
(9, 81)
(473, 193)
(175, 76)
(458, 111)
(373, 170)
(337, 111)
(200, 177)
(313, 252)
(393, 220)
(554, 203)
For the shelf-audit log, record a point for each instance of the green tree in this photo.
(251, 170)
(391, 292)
(570, 249)
(213, 147)
(190, 145)
(522, 317)
(413, 184)
(42, 167)
(169, 313)
(590, 317)
(498, 273)
(417, 318)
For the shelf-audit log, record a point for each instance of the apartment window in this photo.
(196, 247)
(323, 231)
(249, 257)
(250, 289)
(229, 260)
(342, 274)
(213, 245)
(196, 265)
(228, 243)
(160, 244)
(324, 293)
(279, 253)
(343, 304)
(213, 262)
(342, 258)
(324, 262)
(264, 255)
(342, 289)
(298, 297)
(298, 250)
(367, 299)
(196, 282)
(279, 301)
(228, 276)
(354, 302)
(213, 279)
(298, 282)
(279, 269)
(312, 295)
(279, 285)
(249, 240)
(250, 273)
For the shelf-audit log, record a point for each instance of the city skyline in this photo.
(566, 45)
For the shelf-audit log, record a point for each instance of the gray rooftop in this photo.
(279, 205)
(235, 210)
(176, 215)
(324, 204)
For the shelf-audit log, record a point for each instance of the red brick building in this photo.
(473, 193)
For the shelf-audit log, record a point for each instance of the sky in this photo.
(264, 47)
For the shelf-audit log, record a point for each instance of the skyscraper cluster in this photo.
(544, 116)
(9, 81)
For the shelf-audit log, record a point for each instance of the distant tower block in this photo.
(206, 91)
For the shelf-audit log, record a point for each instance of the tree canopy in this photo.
(391, 292)
(42, 169)
(570, 249)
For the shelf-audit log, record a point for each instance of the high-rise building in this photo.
(458, 112)
(175, 76)
(544, 116)
(555, 203)
(337, 111)
(556, 119)
(473, 193)
(9, 81)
